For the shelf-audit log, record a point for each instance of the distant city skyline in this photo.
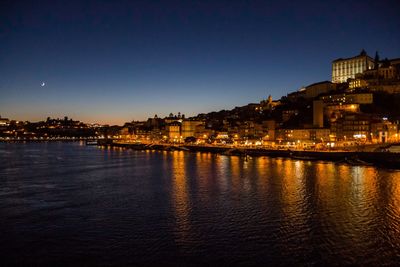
(110, 63)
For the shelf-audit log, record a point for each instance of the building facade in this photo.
(352, 127)
(174, 132)
(347, 68)
(189, 127)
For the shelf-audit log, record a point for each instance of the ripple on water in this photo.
(69, 203)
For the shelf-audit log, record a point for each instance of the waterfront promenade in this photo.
(365, 156)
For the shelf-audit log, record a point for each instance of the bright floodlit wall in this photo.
(189, 127)
(343, 69)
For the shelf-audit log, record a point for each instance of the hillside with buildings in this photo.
(358, 106)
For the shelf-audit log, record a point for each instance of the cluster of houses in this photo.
(331, 113)
(359, 105)
(49, 129)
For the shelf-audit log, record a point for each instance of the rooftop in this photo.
(362, 54)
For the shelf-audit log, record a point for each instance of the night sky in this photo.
(117, 61)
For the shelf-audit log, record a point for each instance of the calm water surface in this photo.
(69, 204)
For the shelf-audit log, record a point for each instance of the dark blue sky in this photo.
(114, 61)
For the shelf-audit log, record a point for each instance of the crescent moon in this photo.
(43, 84)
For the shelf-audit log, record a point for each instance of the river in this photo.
(70, 204)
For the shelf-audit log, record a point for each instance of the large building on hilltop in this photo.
(385, 76)
(347, 68)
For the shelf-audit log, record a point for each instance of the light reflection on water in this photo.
(180, 196)
(129, 207)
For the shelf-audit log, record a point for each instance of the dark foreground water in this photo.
(69, 204)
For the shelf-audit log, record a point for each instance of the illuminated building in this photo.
(189, 127)
(384, 131)
(125, 133)
(250, 129)
(357, 83)
(174, 132)
(222, 135)
(384, 73)
(304, 137)
(295, 134)
(4, 122)
(352, 127)
(384, 77)
(331, 109)
(347, 68)
(384, 70)
(269, 104)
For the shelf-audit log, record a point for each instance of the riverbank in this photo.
(61, 139)
(383, 159)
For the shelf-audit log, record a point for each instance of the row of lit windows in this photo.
(343, 76)
(348, 70)
(349, 62)
(346, 74)
(350, 66)
(355, 122)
